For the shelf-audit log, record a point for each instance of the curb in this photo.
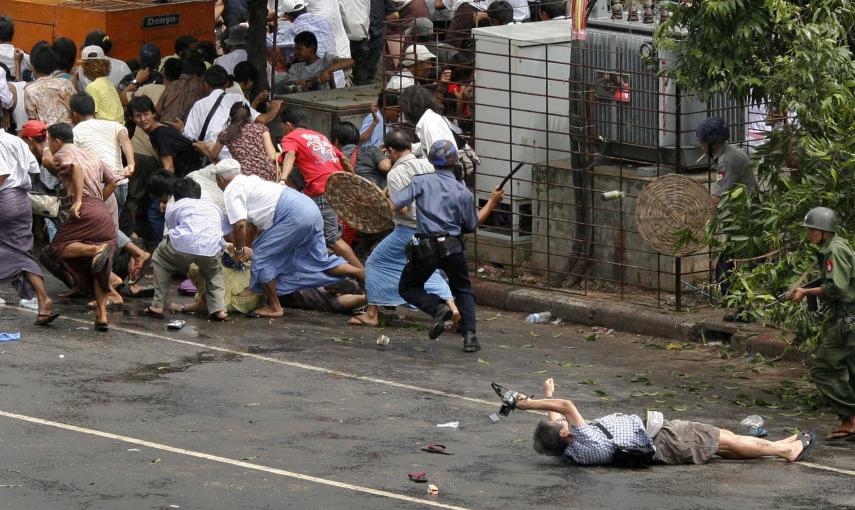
(636, 319)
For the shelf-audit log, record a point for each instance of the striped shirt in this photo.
(590, 446)
(195, 227)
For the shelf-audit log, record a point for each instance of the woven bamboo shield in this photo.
(359, 202)
(668, 209)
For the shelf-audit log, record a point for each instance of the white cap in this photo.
(289, 6)
(226, 166)
(92, 53)
(416, 53)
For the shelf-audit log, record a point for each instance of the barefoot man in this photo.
(290, 252)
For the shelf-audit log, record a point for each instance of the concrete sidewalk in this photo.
(706, 325)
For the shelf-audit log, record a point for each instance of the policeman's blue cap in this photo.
(443, 154)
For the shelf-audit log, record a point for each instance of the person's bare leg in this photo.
(113, 297)
(100, 303)
(138, 259)
(351, 301)
(732, 446)
(80, 250)
(451, 304)
(272, 308)
(343, 250)
(371, 317)
(45, 302)
(349, 270)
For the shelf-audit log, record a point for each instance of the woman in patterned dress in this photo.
(248, 142)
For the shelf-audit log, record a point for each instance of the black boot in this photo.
(443, 313)
(470, 342)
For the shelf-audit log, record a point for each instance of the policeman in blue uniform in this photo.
(445, 210)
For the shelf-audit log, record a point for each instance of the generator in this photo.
(130, 24)
(638, 115)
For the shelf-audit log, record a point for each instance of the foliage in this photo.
(796, 57)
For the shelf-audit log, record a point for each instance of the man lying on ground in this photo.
(568, 435)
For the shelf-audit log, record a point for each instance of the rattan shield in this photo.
(359, 202)
(669, 209)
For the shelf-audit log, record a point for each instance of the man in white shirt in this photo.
(118, 68)
(290, 252)
(220, 102)
(332, 11)
(236, 42)
(7, 49)
(295, 19)
(416, 63)
(194, 235)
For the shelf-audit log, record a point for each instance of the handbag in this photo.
(43, 204)
(633, 457)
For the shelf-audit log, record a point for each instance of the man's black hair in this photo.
(66, 53)
(7, 29)
(547, 440)
(194, 66)
(244, 72)
(387, 98)
(172, 69)
(217, 77)
(184, 44)
(501, 11)
(43, 60)
(83, 104)
(61, 131)
(99, 38)
(161, 183)
(344, 133)
(552, 8)
(295, 115)
(141, 104)
(186, 188)
(398, 140)
(206, 50)
(307, 40)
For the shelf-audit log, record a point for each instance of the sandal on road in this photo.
(807, 439)
(436, 448)
(43, 319)
(418, 476)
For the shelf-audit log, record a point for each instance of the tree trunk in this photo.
(256, 46)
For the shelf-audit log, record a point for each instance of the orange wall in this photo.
(37, 20)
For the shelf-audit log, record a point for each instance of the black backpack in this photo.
(632, 457)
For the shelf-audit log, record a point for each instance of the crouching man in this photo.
(568, 435)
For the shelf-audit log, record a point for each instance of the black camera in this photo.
(509, 399)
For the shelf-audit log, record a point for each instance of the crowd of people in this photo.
(169, 164)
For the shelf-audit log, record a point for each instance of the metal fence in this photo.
(583, 133)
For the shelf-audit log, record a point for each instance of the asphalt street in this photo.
(306, 412)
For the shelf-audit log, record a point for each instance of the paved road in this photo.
(304, 412)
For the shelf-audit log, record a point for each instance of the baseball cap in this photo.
(443, 154)
(421, 26)
(416, 53)
(289, 6)
(92, 53)
(33, 128)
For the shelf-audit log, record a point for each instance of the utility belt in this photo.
(425, 246)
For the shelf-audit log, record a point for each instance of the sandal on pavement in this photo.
(841, 435)
(436, 448)
(101, 327)
(151, 313)
(807, 439)
(43, 319)
(418, 476)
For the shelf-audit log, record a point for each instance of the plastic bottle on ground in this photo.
(753, 426)
(539, 318)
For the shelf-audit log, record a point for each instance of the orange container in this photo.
(129, 23)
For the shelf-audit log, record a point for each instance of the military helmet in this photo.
(443, 154)
(821, 218)
(713, 130)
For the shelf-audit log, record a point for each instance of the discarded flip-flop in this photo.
(436, 448)
(807, 439)
(418, 476)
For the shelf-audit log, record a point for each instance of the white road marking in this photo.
(339, 373)
(232, 462)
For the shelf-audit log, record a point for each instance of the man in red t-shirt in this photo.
(317, 159)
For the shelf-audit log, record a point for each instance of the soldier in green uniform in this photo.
(833, 369)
